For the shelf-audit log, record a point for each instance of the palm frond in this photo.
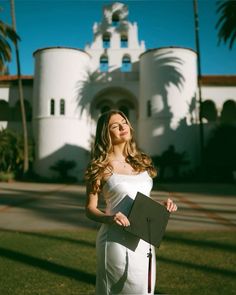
(226, 23)
(7, 35)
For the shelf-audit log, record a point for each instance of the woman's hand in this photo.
(120, 219)
(170, 205)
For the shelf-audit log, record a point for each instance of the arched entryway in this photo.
(115, 98)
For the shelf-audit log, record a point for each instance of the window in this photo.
(105, 108)
(126, 64)
(149, 108)
(115, 19)
(16, 111)
(104, 63)
(4, 110)
(28, 110)
(123, 41)
(125, 110)
(208, 110)
(106, 40)
(228, 113)
(62, 106)
(52, 107)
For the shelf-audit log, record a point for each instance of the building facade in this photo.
(156, 89)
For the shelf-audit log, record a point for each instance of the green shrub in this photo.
(12, 153)
(62, 167)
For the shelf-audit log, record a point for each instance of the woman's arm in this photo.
(94, 213)
(92, 210)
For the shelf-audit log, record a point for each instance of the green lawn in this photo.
(57, 263)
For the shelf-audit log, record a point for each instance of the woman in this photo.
(117, 171)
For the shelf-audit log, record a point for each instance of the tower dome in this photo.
(59, 120)
(168, 83)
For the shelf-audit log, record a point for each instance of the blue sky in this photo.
(44, 23)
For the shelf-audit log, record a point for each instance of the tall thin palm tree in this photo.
(7, 35)
(21, 96)
(226, 23)
(199, 78)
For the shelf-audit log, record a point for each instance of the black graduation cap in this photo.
(148, 219)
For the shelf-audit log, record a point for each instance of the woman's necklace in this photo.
(122, 162)
(126, 166)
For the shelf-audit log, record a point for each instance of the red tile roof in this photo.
(219, 80)
(6, 78)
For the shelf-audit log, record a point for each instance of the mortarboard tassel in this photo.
(150, 270)
(149, 255)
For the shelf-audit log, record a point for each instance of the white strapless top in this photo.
(120, 190)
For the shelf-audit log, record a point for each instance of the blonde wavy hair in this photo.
(103, 147)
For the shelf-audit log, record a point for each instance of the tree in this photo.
(21, 96)
(11, 152)
(8, 151)
(226, 23)
(7, 33)
(220, 156)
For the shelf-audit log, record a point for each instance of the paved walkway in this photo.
(34, 206)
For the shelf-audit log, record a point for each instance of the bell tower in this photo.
(115, 44)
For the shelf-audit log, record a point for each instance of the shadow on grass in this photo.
(53, 237)
(199, 243)
(52, 267)
(204, 268)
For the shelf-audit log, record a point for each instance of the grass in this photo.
(56, 263)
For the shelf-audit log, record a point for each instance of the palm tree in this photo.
(226, 23)
(7, 33)
(21, 97)
(199, 78)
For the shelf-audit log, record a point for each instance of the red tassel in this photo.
(150, 271)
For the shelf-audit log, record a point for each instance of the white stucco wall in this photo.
(60, 73)
(4, 92)
(168, 80)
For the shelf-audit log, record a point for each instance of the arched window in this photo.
(104, 63)
(208, 110)
(123, 41)
(28, 110)
(149, 108)
(126, 64)
(62, 106)
(52, 106)
(106, 40)
(4, 110)
(17, 111)
(228, 113)
(125, 110)
(104, 109)
(115, 19)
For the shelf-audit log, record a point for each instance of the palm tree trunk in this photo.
(21, 96)
(195, 7)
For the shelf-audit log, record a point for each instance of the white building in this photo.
(155, 88)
